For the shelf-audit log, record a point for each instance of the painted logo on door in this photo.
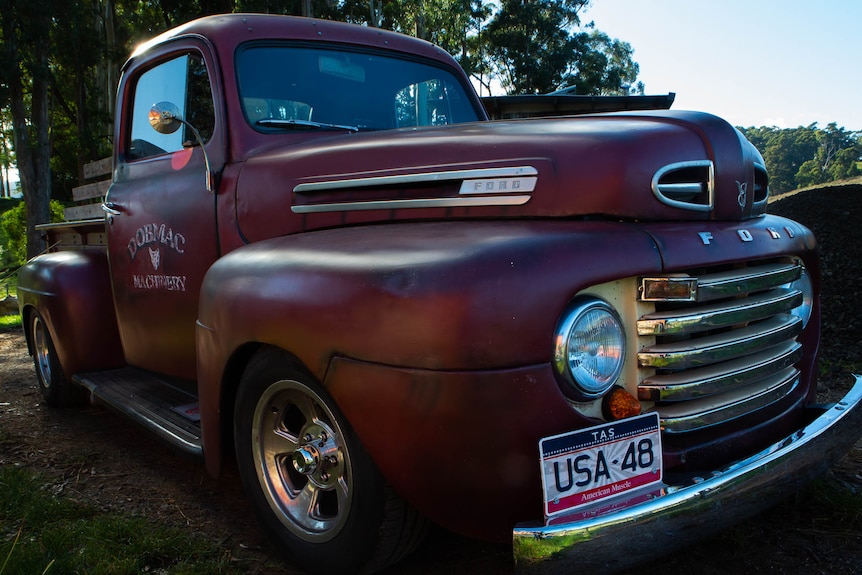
(157, 238)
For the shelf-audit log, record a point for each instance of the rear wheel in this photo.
(310, 480)
(56, 389)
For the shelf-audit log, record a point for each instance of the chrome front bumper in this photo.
(683, 514)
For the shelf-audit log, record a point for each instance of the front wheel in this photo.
(56, 389)
(310, 481)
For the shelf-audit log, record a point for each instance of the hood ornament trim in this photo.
(686, 185)
(742, 198)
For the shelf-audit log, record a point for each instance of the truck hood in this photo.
(652, 166)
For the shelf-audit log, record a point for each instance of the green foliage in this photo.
(533, 50)
(603, 67)
(809, 174)
(807, 155)
(13, 228)
(530, 44)
(41, 530)
(7, 258)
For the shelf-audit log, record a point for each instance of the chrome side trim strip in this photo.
(612, 539)
(419, 178)
(460, 202)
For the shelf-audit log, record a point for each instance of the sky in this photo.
(782, 63)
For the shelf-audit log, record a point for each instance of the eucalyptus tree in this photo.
(25, 75)
(836, 158)
(537, 47)
(602, 66)
(807, 155)
(7, 156)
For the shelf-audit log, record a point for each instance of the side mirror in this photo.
(165, 117)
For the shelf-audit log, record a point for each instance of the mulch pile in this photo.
(830, 214)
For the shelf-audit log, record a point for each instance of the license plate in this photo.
(591, 465)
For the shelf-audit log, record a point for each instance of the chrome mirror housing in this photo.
(165, 117)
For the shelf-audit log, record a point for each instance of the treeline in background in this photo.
(808, 155)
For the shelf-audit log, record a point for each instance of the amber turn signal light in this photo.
(620, 404)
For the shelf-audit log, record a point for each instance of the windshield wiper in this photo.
(303, 125)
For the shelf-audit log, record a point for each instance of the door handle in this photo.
(111, 208)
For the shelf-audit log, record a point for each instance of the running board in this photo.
(170, 413)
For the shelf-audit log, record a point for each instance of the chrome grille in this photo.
(727, 350)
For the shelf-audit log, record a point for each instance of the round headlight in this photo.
(803, 284)
(590, 348)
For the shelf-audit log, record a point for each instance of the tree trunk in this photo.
(32, 158)
(39, 202)
(376, 13)
(420, 30)
(105, 70)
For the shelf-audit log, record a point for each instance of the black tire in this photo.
(310, 481)
(56, 389)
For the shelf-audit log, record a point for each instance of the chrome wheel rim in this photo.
(301, 460)
(41, 352)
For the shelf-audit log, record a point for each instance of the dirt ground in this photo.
(94, 456)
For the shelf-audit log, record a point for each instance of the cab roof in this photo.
(229, 30)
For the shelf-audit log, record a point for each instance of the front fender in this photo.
(431, 296)
(72, 292)
(454, 295)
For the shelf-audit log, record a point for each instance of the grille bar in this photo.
(703, 413)
(721, 347)
(760, 306)
(722, 377)
(740, 282)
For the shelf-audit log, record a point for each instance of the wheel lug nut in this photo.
(305, 460)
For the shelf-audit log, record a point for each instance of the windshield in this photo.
(286, 87)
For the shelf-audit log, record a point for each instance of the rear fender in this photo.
(71, 290)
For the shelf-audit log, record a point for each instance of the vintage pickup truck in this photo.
(581, 334)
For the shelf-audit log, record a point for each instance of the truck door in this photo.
(162, 232)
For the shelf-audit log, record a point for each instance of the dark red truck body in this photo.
(411, 283)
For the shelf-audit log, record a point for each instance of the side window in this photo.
(423, 104)
(184, 82)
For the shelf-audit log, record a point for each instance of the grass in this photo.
(8, 283)
(43, 533)
(10, 321)
(8, 287)
(835, 184)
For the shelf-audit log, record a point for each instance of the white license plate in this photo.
(591, 465)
